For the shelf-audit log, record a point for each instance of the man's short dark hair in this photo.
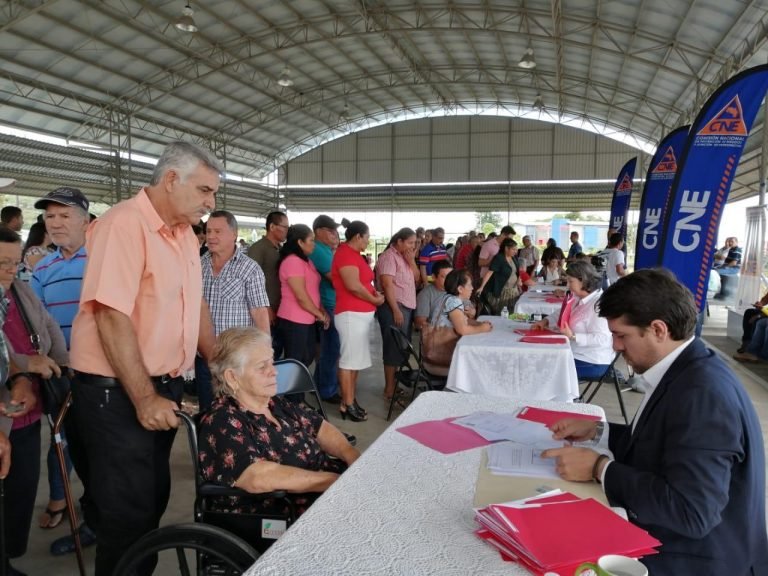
(648, 295)
(274, 218)
(614, 239)
(507, 231)
(228, 216)
(8, 236)
(440, 265)
(8, 213)
(438, 231)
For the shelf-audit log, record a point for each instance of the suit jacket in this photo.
(693, 472)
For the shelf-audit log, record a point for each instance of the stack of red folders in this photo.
(557, 531)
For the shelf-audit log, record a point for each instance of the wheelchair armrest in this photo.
(211, 489)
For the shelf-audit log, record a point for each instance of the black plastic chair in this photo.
(224, 553)
(293, 377)
(253, 528)
(411, 373)
(611, 373)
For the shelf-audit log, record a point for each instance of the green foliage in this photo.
(488, 221)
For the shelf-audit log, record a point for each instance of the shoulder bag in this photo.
(53, 390)
(438, 343)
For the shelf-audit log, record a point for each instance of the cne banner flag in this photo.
(653, 205)
(622, 194)
(703, 181)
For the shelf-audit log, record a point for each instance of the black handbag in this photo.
(54, 390)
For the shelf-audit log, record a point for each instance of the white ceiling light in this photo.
(285, 79)
(186, 22)
(527, 62)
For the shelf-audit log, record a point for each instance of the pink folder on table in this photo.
(549, 417)
(553, 300)
(544, 340)
(443, 436)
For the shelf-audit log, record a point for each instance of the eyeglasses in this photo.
(10, 264)
(282, 226)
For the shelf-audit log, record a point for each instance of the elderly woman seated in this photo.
(591, 340)
(260, 442)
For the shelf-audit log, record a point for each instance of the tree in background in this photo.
(488, 222)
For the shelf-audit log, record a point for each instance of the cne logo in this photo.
(668, 162)
(626, 184)
(728, 122)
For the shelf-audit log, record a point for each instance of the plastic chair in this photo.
(293, 377)
(610, 373)
(410, 376)
(250, 527)
(223, 553)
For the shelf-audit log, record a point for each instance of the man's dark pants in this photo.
(326, 375)
(129, 474)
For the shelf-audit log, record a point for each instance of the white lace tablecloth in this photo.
(401, 509)
(496, 363)
(536, 303)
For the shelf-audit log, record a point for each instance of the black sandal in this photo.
(353, 412)
(56, 517)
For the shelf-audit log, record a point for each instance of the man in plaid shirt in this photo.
(233, 286)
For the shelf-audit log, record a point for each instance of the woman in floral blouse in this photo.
(260, 442)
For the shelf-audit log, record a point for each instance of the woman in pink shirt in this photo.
(300, 310)
(397, 275)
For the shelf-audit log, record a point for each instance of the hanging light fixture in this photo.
(527, 62)
(186, 22)
(285, 79)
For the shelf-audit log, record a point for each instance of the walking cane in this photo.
(73, 521)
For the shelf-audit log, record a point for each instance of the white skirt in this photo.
(354, 335)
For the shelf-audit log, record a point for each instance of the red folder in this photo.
(549, 417)
(571, 532)
(558, 536)
(544, 332)
(544, 340)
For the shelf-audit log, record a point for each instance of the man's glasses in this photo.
(9, 264)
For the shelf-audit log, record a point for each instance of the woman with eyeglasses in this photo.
(260, 442)
(21, 482)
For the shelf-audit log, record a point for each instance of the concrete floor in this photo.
(38, 561)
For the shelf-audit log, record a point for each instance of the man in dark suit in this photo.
(690, 469)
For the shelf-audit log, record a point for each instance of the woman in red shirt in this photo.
(356, 301)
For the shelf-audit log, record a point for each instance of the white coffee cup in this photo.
(614, 565)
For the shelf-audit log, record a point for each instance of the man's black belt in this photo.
(109, 382)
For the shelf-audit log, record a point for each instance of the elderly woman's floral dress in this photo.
(231, 439)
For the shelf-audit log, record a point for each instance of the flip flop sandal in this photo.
(56, 517)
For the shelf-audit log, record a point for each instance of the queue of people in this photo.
(682, 469)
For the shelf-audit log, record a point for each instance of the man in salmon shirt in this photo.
(142, 317)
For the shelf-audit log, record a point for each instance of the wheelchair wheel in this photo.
(213, 551)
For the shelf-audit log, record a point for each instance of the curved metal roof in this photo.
(118, 73)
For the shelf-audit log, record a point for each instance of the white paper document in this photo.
(493, 427)
(512, 459)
